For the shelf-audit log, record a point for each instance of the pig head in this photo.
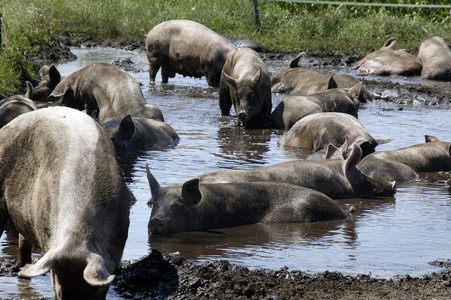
(245, 83)
(14, 106)
(63, 191)
(435, 54)
(50, 79)
(106, 89)
(193, 206)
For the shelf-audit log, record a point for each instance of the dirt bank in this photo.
(172, 277)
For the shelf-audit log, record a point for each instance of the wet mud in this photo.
(172, 277)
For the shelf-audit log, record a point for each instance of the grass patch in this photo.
(285, 27)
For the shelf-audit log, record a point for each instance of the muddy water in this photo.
(386, 236)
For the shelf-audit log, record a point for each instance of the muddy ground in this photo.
(171, 277)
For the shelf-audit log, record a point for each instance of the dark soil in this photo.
(172, 277)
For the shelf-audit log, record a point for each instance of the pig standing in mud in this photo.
(387, 61)
(304, 81)
(13, 106)
(333, 177)
(63, 191)
(113, 93)
(106, 89)
(193, 206)
(403, 164)
(187, 48)
(330, 128)
(435, 54)
(245, 83)
(294, 108)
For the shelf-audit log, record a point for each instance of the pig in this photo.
(387, 61)
(435, 54)
(106, 89)
(13, 106)
(187, 48)
(333, 177)
(64, 193)
(330, 127)
(294, 108)
(404, 164)
(305, 81)
(129, 133)
(245, 83)
(50, 79)
(194, 206)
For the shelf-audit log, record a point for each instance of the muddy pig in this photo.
(387, 61)
(194, 206)
(330, 128)
(106, 89)
(64, 193)
(187, 48)
(435, 54)
(13, 106)
(304, 81)
(404, 164)
(334, 177)
(129, 133)
(245, 83)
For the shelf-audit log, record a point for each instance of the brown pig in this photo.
(435, 54)
(63, 191)
(106, 89)
(330, 128)
(194, 205)
(404, 164)
(50, 79)
(337, 178)
(387, 61)
(187, 48)
(245, 83)
(301, 81)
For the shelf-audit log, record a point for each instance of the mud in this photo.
(172, 277)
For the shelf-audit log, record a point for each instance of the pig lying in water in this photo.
(330, 128)
(435, 54)
(301, 81)
(334, 177)
(64, 193)
(187, 48)
(13, 106)
(404, 164)
(193, 206)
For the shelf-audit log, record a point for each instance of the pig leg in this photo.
(24, 251)
(154, 66)
(4, 215)
(225, 102)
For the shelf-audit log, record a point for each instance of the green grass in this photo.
(285, 27)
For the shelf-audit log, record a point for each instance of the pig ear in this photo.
(54, 74)
(230, 80)
(127, 128)
(353, 158)
(294, 63)
(333, 152)
(41, 267)
(29, 93)
(96, 273)
(390, 43)
(190, 192)
(153, 183)
(258, 76)
(430, 138)
(383, 141)
(331, 83)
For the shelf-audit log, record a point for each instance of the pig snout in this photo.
(243, 116)
(158, 226)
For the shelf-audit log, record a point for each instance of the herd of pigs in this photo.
(62, 187)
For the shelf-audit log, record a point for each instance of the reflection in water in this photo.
(383, 236)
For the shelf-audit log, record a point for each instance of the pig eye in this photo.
(176, 207)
